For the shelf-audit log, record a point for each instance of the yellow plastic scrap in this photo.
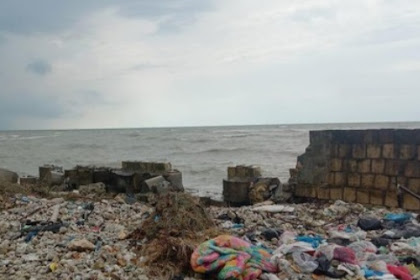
(53, 266)
(413, 269)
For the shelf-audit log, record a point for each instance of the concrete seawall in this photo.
(364, 166)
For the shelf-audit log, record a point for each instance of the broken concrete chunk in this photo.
(81, 245)
(96, 188)
(8, 176)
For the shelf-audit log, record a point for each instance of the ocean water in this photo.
(202, 154)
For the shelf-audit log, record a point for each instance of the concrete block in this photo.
(381, 182)
(359, 151)
(236, 192)
(370, 136)
(376, 197)
(418, 153)
(378, 166)
(302, 191)
(353, 180)
(323, 193)
(386, 136)
(336, 164)
(410, 202)
(349, 194)
(412, 169)
(344, 151)
(367, 180)
(407, 152)
(364, 166)
(334, 150)
(336, 193)
(28, 180)
(392, 167)
(8, 176)
(231, 171)
(340, 179)
(391, 199)
(388, 151)
(352, 165)
(362, 196)
(174, 177)
(331, 179)
(373, 151)
(85, 175)
(414, 185)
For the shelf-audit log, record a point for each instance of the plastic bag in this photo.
(363, 249)
(368, 223)
(345, 254)
(347, 232)
(306, 262)
(313, 240)
(398, 218)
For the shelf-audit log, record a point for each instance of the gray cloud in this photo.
(39, 67)
(26, 16)
(24, 105)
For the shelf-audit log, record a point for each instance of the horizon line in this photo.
(205, 126)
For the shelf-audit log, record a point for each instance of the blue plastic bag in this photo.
(398, 218)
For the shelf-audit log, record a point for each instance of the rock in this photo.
(122, 235)
(81, 245)
(96, 188)
(8, 176)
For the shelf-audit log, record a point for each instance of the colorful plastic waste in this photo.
(231, 258)
(313, 240)
(398, 217)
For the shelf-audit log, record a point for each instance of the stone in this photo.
(95, 188)
(362, 196)
(359, 151)
(391, 199)
(388, 151)
(340, 178)
(364, 166)
(367, 180)
(373, 151)
(349, 194)
(344, 151)
(8, 176)
(381, 182)
(336, 164)
(353, 180)
(410, 202)
(412, 169)
(81, 245)
(414, 185)
(376, 197)
(351, 165)
(378, 166)
(407, 152)
(323, 193)
(336, 193)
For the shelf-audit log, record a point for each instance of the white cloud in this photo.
(240, 62)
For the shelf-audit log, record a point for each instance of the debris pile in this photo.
(168, 237)
(245, 185)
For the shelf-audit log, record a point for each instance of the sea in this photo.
(202, 154)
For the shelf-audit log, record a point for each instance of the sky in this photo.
(138, 63)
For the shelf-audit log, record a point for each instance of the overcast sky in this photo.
(138, 63)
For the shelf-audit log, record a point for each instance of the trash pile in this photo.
(320, 241)
(168, 237)
(93, 234)
(69, 239)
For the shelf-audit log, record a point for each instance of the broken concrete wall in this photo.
(364, 166)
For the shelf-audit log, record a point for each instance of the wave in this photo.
(83, 146)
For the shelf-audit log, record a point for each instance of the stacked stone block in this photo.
(363, 166)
